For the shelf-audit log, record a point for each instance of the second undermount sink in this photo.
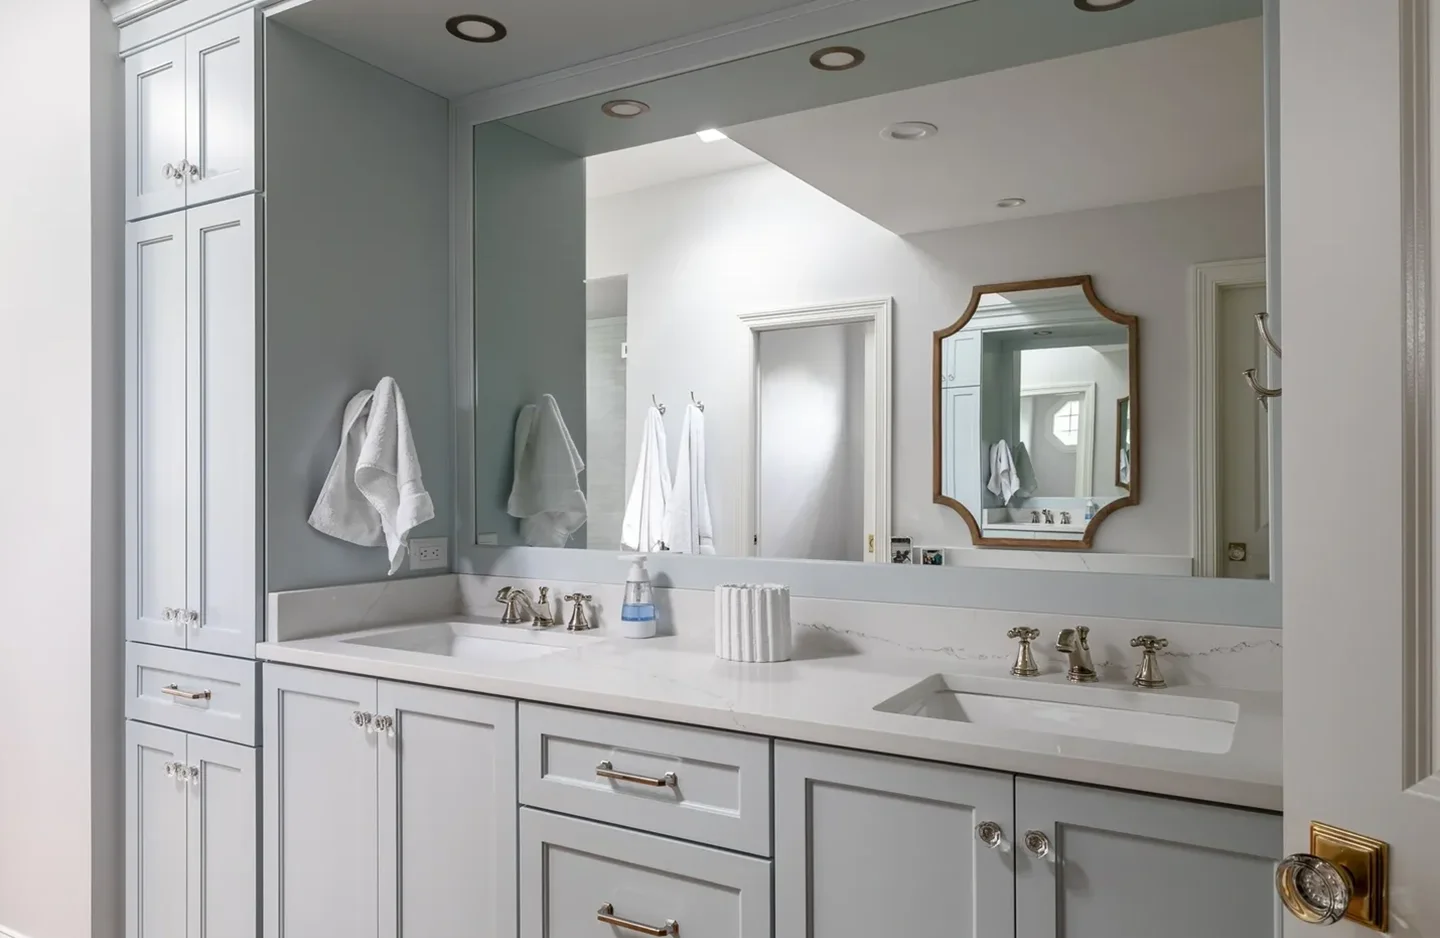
(1143, 718)
(473, 640)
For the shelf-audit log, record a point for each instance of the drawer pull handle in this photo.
(172, 690)
(606, 770)
(607, 916)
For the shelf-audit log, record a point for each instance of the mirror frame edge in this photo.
(1132, 325)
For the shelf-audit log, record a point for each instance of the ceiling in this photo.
(408, 38)
(1162, 118)
(658, 163)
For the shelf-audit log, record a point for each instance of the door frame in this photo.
(1207, 283)
(879, 313)
(1085, 445)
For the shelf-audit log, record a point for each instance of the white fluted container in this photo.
(752, 622)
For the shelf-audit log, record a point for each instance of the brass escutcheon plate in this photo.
(1368, 862)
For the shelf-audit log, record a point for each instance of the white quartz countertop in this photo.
(829, 698)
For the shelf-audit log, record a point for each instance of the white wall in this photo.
(701, 251)
(811, 470)
(1109, 371)
(60, 630)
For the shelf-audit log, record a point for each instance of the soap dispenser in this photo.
(637, 615)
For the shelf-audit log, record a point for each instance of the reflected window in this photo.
(1067, 423)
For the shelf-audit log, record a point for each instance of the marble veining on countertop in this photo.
(828, 695)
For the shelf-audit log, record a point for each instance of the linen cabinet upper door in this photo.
(155, 165)
(224, 517)
(155, 381)
(1107, 864)
(222, 109)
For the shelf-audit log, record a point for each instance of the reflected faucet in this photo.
(1049, 516)
(1075, 643)
(519, 607)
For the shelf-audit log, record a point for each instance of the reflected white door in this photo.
(1361, 726)
(1243, 437)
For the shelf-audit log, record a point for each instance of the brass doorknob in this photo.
(1314, 889)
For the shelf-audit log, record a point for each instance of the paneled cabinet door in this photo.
(156, 786)
(155, 130)
(1117, 864)
(447, 813)
(870, 845)
(223, 856)
(221, 124)
(320, 804)
(960, 457)
(155, 437)
(223, 427)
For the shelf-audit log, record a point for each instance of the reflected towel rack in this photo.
(658, 406)
(698, 404)
(1262, 393)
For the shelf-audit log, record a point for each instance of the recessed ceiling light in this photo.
(711, 135)
(1010, 203)
(1043, 332)
(910, 130)
(472, 27)
(836, 58)
(1101, 6)
(624, 108)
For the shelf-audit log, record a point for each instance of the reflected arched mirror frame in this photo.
(1028, 383)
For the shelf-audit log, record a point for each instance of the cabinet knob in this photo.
(991, 835)
(385, 725)
(175, 172)
(193, 774)
(170, 614)
(192, 171)
(363, 720)
(1038, 843)
(170, 769)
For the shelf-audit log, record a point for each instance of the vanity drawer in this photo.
(696, 784)
(211, 695)
(582, 878)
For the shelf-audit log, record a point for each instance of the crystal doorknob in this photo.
(990, 834)
(1315, 890)
(1038, 843)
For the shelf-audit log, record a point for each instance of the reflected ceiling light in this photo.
(1043, 332)
(710, 135)
(1012, 202)
(624, 108)
(836, 58)
(1101, 6)
(910, 130)
(472, 27)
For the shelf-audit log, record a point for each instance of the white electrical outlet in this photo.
(429, 553)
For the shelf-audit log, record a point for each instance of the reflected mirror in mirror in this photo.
(731, 299)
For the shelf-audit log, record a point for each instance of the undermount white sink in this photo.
(474, 641)
(1164, 718)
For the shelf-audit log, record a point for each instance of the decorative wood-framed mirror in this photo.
(1024, 384)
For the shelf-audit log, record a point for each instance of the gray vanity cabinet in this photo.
(191, 835)
(871, 845)
(389, 809)
(1122, 865)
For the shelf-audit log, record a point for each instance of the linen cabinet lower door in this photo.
(156, 783)
(224, 851)
(1118, 864)
(870, 845)
(580, 879)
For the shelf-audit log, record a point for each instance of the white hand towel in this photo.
(375, 493)
(545, 494)
(687, 517)
(1004, 480)
(644, 522)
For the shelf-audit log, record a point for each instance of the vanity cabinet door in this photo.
(156, 790)
(223, 820)
(222, 109)
(1121, 864)
(155, 437)
(320, 804)
(871, 845)
(223, 428)
(961, 458)
(155, 130)
(447, 813)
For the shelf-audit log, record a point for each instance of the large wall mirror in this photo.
(884, 298)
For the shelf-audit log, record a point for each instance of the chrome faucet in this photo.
(1075, 643)
(1049, 516)
(519, 607)
(1064, 517)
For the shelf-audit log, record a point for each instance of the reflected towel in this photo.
(545, 493)
(687, 518)
(1024, 471)
(1004, 480)
(644, 523)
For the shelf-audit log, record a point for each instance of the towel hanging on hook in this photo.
(658, 406)
(698, 404)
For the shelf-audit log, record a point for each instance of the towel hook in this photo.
(698, 404)
(1262, 323)
(1262, 393)
(658, 406)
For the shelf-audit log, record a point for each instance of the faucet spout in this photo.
(1075, 644)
